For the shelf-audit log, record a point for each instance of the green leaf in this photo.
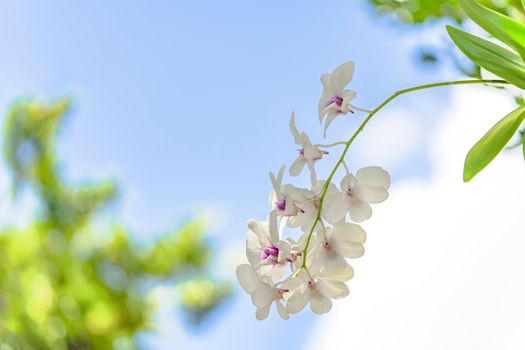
(492, 57)
(520, 141)
(500, 26)
(486, 149)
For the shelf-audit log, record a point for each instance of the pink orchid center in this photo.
(279, 293)
(319, 151)
(271, 251)
(311, 285)
(338, 100)
(281, 205)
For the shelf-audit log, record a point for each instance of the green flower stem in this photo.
(361, 127)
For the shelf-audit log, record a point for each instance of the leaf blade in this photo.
(500, 26)
(491, 144)
(494, 58)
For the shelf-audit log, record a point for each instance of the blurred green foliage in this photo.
(415, 12)
(419, 11)
(64, 284)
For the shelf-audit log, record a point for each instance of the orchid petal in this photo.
(247, 277)
(262, 312)
(329, 119)
(293, 284)
(297, 301)
(272, 226)
(263, 295)
(359, 210)
(348, 95)
(275, 271)
(313, 175)
(284, 250)
(276, 182)
(334, 207)
(370, 194)
(325, 97)
(297, 166)
(320, 304)
(348, 182)
(350, 249)
(374, 176)
(336, 267)
(331, 288)
(349, 232)
(281, 309)
(298, 194)
(260, 230)
(254, 249)
(337, 271)
(296, 136)
(342, 76)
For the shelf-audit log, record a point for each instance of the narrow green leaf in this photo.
(492, 57)
(500, 26)
(486, 149)
(523, 4)
(519, 142)
(524, 149)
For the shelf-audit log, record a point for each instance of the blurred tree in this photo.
(419, 11)
(64, 287)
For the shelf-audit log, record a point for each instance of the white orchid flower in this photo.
(335, 244)
(370, 185)
(306, 217)
(296, 251)
(282, 202)
(335, 99)
(262, 291)
(314, 287)
(308, 154)
(317, 265)
(265, 250)
(308, 203)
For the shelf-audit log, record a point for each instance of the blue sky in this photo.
(187, 103)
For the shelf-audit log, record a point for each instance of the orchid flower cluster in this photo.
(314, 268)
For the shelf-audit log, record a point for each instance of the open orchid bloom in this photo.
(265, 250)
(262, 291)
(314, 269)
(308, 154)
(335, 99)
(308, 204)
(370, 185)
(314, 287)
(334, 244)
(281, 201)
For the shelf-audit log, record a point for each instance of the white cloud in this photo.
(445, 260)
(400, 135)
